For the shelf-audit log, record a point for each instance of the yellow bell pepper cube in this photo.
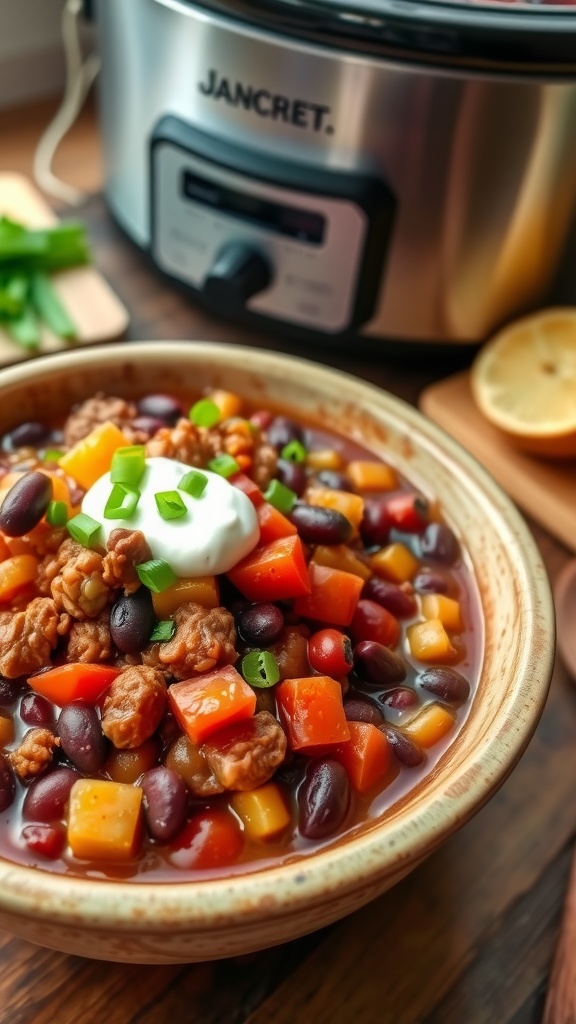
(6, 730)
(350, 505)
(439, 606)
(16, 573)
(263, 811)
(91, 457)
(430, 725)
(324, 458)
(395, 563)
(429, 641)
(228, 402)
(371, 476)
(201, 590)
(340, 556)
(104, 820)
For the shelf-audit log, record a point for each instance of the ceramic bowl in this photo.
(178, 922)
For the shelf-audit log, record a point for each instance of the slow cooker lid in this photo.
(512, 35)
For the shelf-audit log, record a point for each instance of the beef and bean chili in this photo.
(225, 638)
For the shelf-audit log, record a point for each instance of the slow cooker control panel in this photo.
(258, 237)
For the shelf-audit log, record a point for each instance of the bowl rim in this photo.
(363, 859)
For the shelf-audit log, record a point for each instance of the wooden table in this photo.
(467, 938)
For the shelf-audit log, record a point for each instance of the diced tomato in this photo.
(373, 622)
(212, 839)
(275, 572)
(333, 596)
(366, 755)
(248, 486)
(408, 512)
(273, 524)
(209, 702)
(75, 681)
(312, 713)
(330, 652)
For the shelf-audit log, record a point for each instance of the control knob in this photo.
(238, 272)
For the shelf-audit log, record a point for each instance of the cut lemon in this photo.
(524, 382)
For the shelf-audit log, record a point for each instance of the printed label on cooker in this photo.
(300, 113)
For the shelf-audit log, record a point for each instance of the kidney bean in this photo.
(262, 418)
(400, 699)
(330, 652)
(399, 602)
(426, 582)
(47, 840)
(439, 544)
(335, 480)
(27, 435)
(47, 796)
(373, 622)
(165, 801)
(445, 683)
(406, 750)
(147, 424)
(283, 430)
(81, 736)
(377, 665)
(10, 690)
(292, 475)
(25, 503)
(323, 799)
(132, 620)
(7, 786)
(376, 522)
(37, 710)
(161, 407)
(260, 624)
(318, 525)
(363, 711)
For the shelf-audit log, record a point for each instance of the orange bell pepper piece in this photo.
(311, 713)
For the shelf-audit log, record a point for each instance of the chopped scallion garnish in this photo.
(280, 496)
(205, 413)
(52, 455)
(170, 505)
(156, 574)
(260, 668)
(224, 465)
(122, 502)
(193, 483)
(128, 464)
(163, 631)
(56, 513)
(294, 451)
(84, 529)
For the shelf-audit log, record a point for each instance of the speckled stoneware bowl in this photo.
(175, 922)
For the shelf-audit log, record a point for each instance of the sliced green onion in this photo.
(57, 513)
(156, 574)
(193, 483)
(128, 464)
(224, 465)
(260, 668)
(24, 328)
(170, 505)
(122, 502)
(50, 309)
(84, 529)
(280, 496)
(205, 413)
(52, 455)
(163, 630)
(294, 451)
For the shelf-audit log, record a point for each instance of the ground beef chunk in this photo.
(90, 640)
(34, 753)
(95, 411)
(246, 754)
(264, 464)
(134, 706)
(197, 445)
(27, 638)
(78, 587)
(204, 638)
(126, 549)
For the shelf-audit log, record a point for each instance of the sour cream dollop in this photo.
(219, 528)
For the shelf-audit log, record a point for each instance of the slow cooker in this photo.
(360, 170)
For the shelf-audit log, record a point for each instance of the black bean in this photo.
(438, 544)
(390, 596)
(292, 475)
(25, 503)
(319, 525)
(260, 624)
(376, 522)
(426, 582)
(81, 736)
(377, 665)
(7, 786)
(445, 683)
(363, 711)
(37, 710)
(165, 800)
(147, 424)
(27, 435)
(282, 431)
(162, 407)
(47, 796)
(406, 750)
(323, 799)
(334, 480)
(132, 620)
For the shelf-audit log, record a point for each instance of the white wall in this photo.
(31, 58)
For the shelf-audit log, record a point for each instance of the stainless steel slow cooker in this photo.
(345, 169)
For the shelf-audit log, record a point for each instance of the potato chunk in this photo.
(104, 820)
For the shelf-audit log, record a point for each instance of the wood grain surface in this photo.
(467, 938)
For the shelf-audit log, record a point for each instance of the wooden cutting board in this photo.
(93, 306)
(544, 489)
